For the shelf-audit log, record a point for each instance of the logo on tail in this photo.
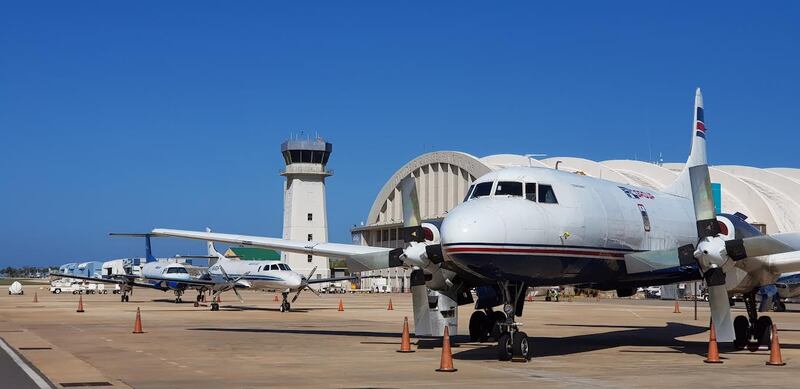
(700, 125)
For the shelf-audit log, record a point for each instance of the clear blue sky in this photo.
(128, 116)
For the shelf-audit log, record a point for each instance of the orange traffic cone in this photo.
(341, 306)
(35, 297)
(446, 364)
(677, 307)
(713, 351)
(390, 308)
(775, 358)
(405, 340)
(80, 305)
(137, 325)
(276, 298)
(530, 297)
(219, 298)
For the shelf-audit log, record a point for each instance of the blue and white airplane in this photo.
(524, 227)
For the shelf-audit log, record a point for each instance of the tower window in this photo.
(310, 258)
(310, 216)
(310, 237)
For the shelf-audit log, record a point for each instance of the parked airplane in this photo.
(155, 274)
(523, 227)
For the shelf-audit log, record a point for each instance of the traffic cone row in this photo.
(137, 325)
(677, 307)
(390, 308)
(341, 305)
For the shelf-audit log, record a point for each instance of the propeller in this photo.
(232, 282)
(305, 286)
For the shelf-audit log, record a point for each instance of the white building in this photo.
(305, 217)
(767, 196)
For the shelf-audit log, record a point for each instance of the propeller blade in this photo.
(755, 246)
(721, 313)
(311, 273)
(408, 193)
(224, 273)
(316, 292)
(241, 300)
(703, 200)
(297, 294)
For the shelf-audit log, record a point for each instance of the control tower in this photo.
(305, 215)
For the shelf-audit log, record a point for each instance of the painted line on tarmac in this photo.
(35, 377)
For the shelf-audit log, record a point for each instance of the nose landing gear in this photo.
(512, 344)
(285, 306)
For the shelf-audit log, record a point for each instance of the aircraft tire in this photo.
(496, 317)
(521, 346)
(505, 347)
(214, 307)
(741, 327)
(477, 326)
(763, 331)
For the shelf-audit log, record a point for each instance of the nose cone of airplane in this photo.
(294, 280)
(473, 222)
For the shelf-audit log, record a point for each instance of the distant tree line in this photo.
(25, 271)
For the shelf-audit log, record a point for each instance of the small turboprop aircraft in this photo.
(161, 275)
(525, 227)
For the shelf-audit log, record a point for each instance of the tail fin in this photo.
(212, 251)
(148, 249)
(681, 186)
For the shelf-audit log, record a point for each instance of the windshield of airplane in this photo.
(508, 188)
(178, 270)
(469, 192)
(482, 189)
(273, 267)
(546, 194)
(283, 266)
(530, 191)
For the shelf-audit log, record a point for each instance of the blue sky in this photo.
(127, 116)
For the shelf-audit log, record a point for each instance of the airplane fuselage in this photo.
(257, 274)
(574, 230)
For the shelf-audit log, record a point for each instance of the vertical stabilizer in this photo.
(697, 156)
(212, 251)
(148, 249)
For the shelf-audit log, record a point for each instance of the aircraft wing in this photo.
(123, 279)
(191, 282)
(358, 258)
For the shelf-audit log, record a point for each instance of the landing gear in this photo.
(752, 332)
(178, 294)
(778, 305)
(512, 344)
(285, 306)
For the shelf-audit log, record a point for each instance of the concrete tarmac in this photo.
(585, 343)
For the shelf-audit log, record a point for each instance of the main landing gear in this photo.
(178, 294)
(512, 344)
(752, 331)
(126, 294)
(285, 306)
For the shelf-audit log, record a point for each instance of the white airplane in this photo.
(524, 227)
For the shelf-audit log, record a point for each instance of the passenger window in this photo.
(482, 189)
(546, 194)
(530, 191)
(508, 188)
(469, 192)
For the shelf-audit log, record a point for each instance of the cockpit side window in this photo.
(482, 189)
(546, 194)
(508, 188)
(530, 191)
(273, 267)
(282, 266)
(176, 270)
(469, 192)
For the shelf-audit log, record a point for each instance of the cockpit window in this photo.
(469, 192)
(176, 270)
(530, 191)
(282, 266)
(508, 188)
(546, 194)
(482, 189)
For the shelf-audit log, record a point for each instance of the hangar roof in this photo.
(767, 196)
